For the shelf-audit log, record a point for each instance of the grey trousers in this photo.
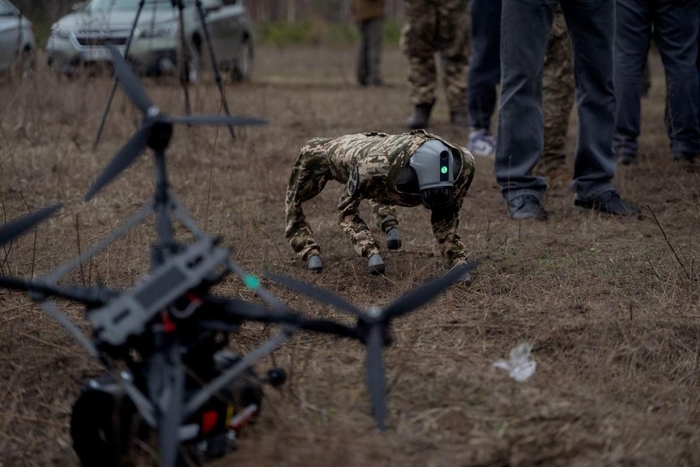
(525, 26)
(485, 63)
(370, 55)
(675, 24)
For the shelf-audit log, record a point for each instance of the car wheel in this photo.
(243, 67)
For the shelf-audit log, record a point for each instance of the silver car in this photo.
(79, 38)
(16, 38)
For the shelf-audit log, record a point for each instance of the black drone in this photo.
(168, 377)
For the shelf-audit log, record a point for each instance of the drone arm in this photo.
(183, 216)
(253, 283)
(238, 310)
(134, 220)
(14, 229)
(204, 394)
(329, 327)
(41, 291)
(162, 205)
(52, 310)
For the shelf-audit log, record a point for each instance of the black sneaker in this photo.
(527, 207)
(609, 203)
(688, 163)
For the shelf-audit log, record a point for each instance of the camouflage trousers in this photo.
(370, 56)
(437, 26)
(310, 173)
(558, 94)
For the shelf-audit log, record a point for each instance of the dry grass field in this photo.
(612, 313)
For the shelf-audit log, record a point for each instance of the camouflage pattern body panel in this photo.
(558, 94)
(369, 165)
(377, 159)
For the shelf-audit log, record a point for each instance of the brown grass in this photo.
(612, 316)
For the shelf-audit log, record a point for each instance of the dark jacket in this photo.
(363, 10)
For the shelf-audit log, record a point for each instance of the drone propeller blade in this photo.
(171, 417)
(20, 285)
(375, 375)
(14, 229)
(428, 291)
(77, 294)
(131, 84)
(124, 158)
(317, 294)
(217, 120)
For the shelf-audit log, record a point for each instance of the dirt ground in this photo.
(610, 310)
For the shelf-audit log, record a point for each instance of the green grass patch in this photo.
(277, 33)
(318, 32)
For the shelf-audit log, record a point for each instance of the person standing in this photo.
(525, 26)
(369, 16)
(437, 26)
(557, 98)
(485, 75)
(675, 28)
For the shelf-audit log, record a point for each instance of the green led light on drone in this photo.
(251, 282)
(443, 169)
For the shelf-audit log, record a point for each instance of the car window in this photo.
(6, 9)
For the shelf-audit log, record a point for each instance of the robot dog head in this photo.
(435, 168)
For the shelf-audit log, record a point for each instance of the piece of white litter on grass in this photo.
(519, 366)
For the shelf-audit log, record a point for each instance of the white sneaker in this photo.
(481, 143)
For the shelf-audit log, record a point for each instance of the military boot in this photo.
(376, 264)
(315, 264)
(393, 240)
(420, 117)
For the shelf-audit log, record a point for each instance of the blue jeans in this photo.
(675, 24)
(525, 26)
(485, 62)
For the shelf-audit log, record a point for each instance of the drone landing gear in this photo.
(107, 430)
(101, 424)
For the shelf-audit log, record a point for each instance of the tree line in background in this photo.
(289, 11)
(279, 21)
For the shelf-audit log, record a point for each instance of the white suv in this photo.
(80, 37)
